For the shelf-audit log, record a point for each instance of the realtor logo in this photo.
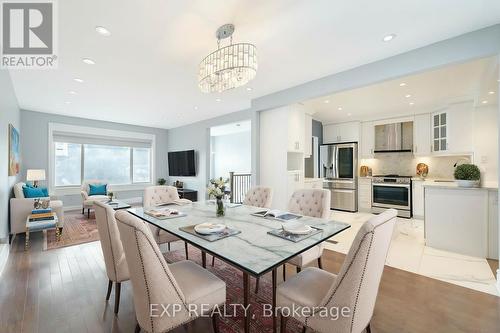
(28, 35)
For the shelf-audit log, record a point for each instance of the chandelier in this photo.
(229, 66)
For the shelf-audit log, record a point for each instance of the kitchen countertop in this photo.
(454, 185)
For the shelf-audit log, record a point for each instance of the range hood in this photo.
(394, 137)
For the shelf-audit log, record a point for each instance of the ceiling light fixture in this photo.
(67, 102)
(327, 101)
(228, 67)
(407, 95)
(78, 80)
(388, 38)
(217, 99)
(103, 31)
(88, 61)
(72, 92)
(484, 102)
(249, 89)
(196, 108)
(491, 92)
(339, 108)
(411, 103)
(402, 84)
(349, 114)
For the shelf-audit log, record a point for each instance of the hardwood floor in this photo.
(64, 290)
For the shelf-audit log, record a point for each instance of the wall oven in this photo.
(392, 191)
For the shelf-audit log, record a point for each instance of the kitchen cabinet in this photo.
(307, 135)
(295, 182)
(364, 194)
(422, 135)
(367, 141)
(452, 130)
(418, 198)
(344, 132)
(296, 129)
(493, 224)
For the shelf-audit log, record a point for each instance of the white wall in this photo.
(486, 142)
(232, 152)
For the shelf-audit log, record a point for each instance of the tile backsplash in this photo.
(405, 164)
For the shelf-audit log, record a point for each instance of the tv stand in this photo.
(185, 193)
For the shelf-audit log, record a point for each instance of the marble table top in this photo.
(253, 250)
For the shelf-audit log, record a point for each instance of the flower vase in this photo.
(220, 207)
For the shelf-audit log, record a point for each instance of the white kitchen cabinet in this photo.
(307, 135)
(295, 182)
(344, 132)
(422, 135)
(418, 198)
(296, 128)
(364, 194)
(367, 141)
(452, 130)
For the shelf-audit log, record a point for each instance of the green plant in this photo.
(467, 172)
(162, 181)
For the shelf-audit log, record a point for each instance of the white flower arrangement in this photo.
(217, 187)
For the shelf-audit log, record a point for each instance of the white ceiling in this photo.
(474, 80)
(145, 72)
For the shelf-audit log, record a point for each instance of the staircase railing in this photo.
(239, 183)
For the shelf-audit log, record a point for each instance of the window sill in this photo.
(74, 190)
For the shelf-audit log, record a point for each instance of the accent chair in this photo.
(88, 200)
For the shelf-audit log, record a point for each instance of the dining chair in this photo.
(259, 196)
(314, 203)
(112, 249)
(162, 195)
(184, 286)
(355, 288)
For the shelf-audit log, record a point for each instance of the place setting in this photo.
(210, 231)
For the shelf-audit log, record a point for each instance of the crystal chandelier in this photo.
(229, 66)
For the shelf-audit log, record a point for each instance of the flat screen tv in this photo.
(181, 163)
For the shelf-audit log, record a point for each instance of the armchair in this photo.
(21, 207)
(88, 200)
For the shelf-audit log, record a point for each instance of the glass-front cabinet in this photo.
(439, 131)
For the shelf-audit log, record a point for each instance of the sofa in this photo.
(88, 200)
(21, 207)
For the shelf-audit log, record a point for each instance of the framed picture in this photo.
(13, 151)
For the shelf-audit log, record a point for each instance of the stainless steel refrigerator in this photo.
(338, 168)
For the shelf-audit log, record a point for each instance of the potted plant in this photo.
(162, 181)
(467, 175)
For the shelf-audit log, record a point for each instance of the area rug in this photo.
(78, 229)
(234, 291)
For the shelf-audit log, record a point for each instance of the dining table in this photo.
(253, 250)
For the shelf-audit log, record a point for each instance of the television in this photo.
(181, 163)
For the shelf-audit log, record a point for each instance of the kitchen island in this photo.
(462, 220)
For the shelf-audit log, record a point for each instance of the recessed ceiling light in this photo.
(484, 102)
(411, 103)
(491, 92)
(249, 88)
(78, 80)
(72, 92)
(349, 114)
(407, 95)
(327, 101)
(238, 125)
(67, 102)
(103, 31)
(88, 61)
(339, 108)
(388, 38)
(217, 99)
(402, 84)
(196, 108)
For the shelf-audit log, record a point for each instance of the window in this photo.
(116, 164)
(68, 166)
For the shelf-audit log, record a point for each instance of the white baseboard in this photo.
(130, 201)
(4, 255)
(498, 280)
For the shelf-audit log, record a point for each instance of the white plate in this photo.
(296, 228)
(209, 228)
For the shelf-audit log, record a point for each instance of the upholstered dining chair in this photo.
(259, 196)
(157, 196)
(112, 249)
(354, 288)
(184, 286)
(314, 203)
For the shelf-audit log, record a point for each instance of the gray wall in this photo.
(197, 136)
(9, 114)
(317, 130)
(35, 145)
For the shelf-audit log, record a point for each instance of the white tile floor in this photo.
(408, 252)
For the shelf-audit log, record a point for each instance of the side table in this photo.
(40, 226)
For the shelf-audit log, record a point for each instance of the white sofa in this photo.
(88, 200)
(21, 207)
